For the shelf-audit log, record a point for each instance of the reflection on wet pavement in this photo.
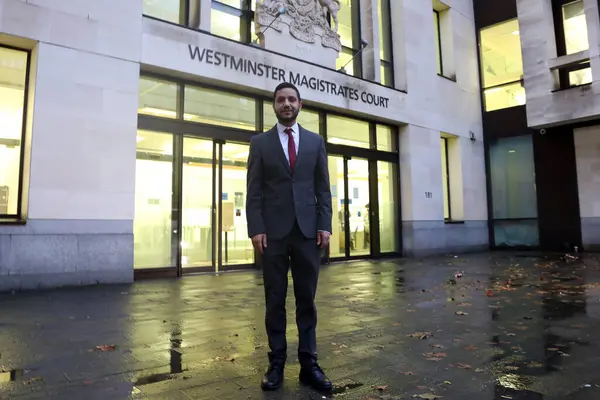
(489, 326)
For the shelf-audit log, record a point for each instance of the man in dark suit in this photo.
(288, 208)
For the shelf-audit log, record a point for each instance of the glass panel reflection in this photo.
(158, 98)
(307, 119)
(347, 131)
(225, 25)
(504, 96)
(219, 108)
(345, 23)
(445, 172)
(438, 43)
(516, 233)
(575, 27)
(344, 57)
(501, 60)
(153, 190)
(167, 10)
(384, 138)
(236, 246)
(388, 209)
(513, 178)
(337, 242)
(580, 77)
(13, 71)
(358, 206)
(197, 183)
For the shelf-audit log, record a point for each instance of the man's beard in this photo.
(284, 120)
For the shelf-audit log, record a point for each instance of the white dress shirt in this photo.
(284, 138)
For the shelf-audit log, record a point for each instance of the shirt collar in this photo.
(281, 128)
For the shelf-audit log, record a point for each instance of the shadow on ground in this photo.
(487, 326)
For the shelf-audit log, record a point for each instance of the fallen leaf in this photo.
(461, 313)
(88, 382)
(463, 366)
(382, 387)
(478, 370)
(106, 347)
(420, 335)
(429, 396)
(471, 348)
(437, 346)
(407, 373)
(448, 382)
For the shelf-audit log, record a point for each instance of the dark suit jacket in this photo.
(276, 198)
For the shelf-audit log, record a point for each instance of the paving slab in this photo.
(502, 325)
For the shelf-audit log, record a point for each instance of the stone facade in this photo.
(81, 149)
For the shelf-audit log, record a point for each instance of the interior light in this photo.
(515, 32)
(512, 151)
(139, 138)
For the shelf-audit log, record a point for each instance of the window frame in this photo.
(19, 215)
(446, 169)
(440, 64)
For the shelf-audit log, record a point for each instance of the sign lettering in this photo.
(259, 69)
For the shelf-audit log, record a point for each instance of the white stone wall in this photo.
(85, 105)
(544, 107)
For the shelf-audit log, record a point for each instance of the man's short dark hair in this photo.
(286, 85)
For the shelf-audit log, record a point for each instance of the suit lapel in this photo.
(277, 149)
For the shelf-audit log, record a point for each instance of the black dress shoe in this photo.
(314, 377)
(273, 378)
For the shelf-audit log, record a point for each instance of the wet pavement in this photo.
(513, 326)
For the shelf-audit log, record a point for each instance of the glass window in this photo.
(216, 107)
(387, 74)
(501, 60)
(504, 96)
(445, 177)
(153, 191)
(358, 207)
(168, 10)
(308, 119)
(385, 41)
(337, 242)
(343, 58)
(228, 19)
(513, 191)
(513, 178)
(575, 27)
(13, 76)
(158, 98)
(502, 66)
(581, 76)
(438, 41)
(345, 21)
(384, 138)
(346, 131)
(388, 209)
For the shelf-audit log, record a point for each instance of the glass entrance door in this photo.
(214, 231)
(350, 190)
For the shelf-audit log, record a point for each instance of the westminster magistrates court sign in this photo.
(258, 69)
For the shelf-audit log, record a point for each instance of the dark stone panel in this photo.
(557, 191)
(490, 12)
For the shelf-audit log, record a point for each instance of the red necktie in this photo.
(291, 148)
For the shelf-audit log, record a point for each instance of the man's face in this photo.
(287, 105)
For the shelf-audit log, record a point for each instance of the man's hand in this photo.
(259, 242)
(323, 239)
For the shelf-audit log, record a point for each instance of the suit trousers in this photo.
(303, 255)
